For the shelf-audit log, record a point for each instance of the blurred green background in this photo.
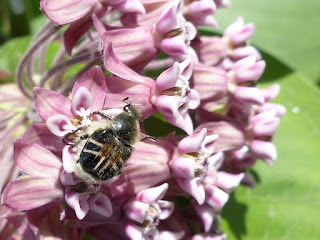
(285, 204)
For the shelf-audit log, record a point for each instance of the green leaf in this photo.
(157, 126)
(286, 204)
(11, 53)
(289, 30)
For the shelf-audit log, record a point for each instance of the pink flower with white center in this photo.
(197, 173)
(64, 116)
(176, 33)
(174, 96)
(170, 94)
(145, 211)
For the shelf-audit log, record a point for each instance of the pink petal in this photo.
(166, 207)
(115, 66)
(78, 28)
(136, 210)
(231, 135)
(206, 213)
(183, 167)
(249, 95)
(194, 99)
(250, 72)
(238, 32)
(167, 235)
(78, 202)
(149, 152)
(82, 102)
(36, 160)
(193, 187)
(68, 159)
(139, 95)
(205, 21)
(68, 179)
(271, 92)
(247, 51)
(280, 109)
(210, 82)
(168, 20)
(142, 176)
(94, 81)
(167, 105)
(101, 204)
(266, 127)
(67, 11)
(215, 197)
(31, 192)
(264, 150)
(204, 7)
(152, 195)
(59, 125)
(133, 231)
(168, 78)
(228, 181)
(182, 121)
(39, 133)
(130, 6)
(175, 47)
(51, 103)
(193, 142)
(135, 46)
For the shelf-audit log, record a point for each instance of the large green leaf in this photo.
(287, 29)
(286, 204)
(11, 53)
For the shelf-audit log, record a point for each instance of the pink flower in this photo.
(79, 195)
(145, 211)
(63, 115)
(148, 166)
(136, 55)
(79, 13)
(14, 111)
(170, 94)
(200, 13)
(175, 97)
(239, 33)
(197, 173)
(42, 186)
(176, 32)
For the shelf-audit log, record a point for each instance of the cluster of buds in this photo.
(204, 81)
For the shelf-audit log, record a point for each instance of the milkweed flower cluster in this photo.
(205, 86)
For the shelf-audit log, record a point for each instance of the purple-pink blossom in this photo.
(148, 55)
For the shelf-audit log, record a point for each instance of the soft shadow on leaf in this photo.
(235, 214)
(275, 69)
(255, 175)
